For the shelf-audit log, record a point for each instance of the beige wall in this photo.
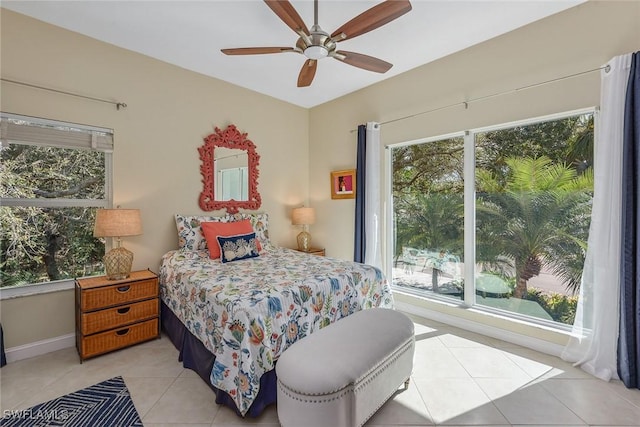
(573, 41)
(156, 163)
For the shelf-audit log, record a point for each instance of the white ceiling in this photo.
(190, 34)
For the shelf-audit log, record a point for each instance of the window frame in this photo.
(103, 145)
(469, 297)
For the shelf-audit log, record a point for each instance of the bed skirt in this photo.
(195, 356)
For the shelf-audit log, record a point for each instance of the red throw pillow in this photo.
(212, 230)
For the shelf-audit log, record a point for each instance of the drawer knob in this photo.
(123, 289)
(122, 332)
(124, 310)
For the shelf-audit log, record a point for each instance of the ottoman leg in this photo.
(406, 383)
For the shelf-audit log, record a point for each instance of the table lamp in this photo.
(304, 217)
(117, 223)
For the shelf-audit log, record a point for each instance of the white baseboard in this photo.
(65, 341)
(482, 329)
(40, 347)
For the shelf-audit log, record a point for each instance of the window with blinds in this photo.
(53, 177)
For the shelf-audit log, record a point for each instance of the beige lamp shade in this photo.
(303, 216)
(117, 223)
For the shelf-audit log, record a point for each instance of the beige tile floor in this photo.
(460, 378)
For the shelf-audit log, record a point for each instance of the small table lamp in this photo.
(117, 223)
(304, 217)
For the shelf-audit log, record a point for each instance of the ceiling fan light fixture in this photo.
(316, 52)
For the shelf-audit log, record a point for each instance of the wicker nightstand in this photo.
(113, 314)
(313, 251)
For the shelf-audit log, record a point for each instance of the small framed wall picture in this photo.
(343, 184)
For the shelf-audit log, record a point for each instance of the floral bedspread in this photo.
(248, 312)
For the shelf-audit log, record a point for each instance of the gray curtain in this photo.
(3, 359)
(359, 243)
(629, 335)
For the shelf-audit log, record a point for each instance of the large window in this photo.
(428, 201)
(529, 209)
(53, 176)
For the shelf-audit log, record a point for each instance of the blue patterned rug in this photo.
(106, 404)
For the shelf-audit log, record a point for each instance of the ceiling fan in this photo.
(317, 44)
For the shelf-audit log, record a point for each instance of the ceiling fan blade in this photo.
(255, 50)
(371, 19)
(363, 61)
(288, 14)
(307, 73)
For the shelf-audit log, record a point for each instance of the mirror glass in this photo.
(229, 168)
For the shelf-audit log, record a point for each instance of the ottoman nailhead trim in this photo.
(323, 393)
(288, 391)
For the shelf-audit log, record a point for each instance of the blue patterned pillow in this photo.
(234, 248)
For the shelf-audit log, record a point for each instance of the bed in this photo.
(232, 320)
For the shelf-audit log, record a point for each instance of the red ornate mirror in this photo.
(229, 171)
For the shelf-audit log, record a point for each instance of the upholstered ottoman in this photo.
(343, 373)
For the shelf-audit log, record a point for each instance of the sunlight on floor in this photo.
(459, 378)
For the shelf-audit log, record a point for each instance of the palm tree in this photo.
(538, 217)
(432, 221)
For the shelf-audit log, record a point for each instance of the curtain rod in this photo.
(482, 98)
(116, 103)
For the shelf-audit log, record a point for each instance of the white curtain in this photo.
(593, 345)
(372, 254)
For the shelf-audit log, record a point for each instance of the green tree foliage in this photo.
(55, 242)
(428, 189)
(539, 216)
(428, 195)
(435, 222)
(568, 141)
(428, 168)
(561, 308)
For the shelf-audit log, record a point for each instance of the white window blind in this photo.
(54, 176)
(16, 129)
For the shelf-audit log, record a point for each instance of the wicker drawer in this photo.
(113, 314)
(107, 296)
(98, 321)
(119, 338)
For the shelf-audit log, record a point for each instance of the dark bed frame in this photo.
(195, 356)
